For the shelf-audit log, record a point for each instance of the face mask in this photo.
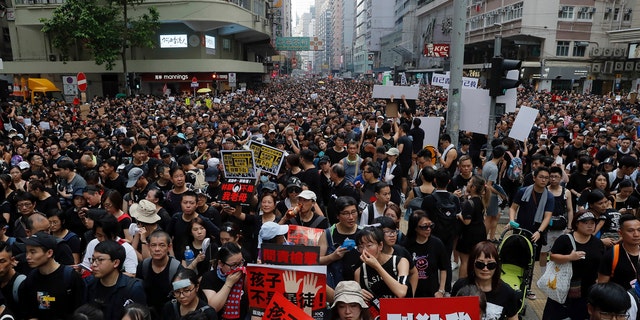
(264, 179)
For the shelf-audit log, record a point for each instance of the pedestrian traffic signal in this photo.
(499, 83)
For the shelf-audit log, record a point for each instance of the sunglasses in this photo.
(426, 226)
(489, 265)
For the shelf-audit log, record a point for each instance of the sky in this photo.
(298, 7)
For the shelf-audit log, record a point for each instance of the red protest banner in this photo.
(280, 309)
(454, 308)
(304, 286)
(237, 191)
(304, 236)
(290, 255)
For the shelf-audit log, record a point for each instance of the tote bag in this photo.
(556, 280)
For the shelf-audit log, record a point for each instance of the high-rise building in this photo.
(373, 20)
(342, 27)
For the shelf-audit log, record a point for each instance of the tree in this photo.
(103, 28)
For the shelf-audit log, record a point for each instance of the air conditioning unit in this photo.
(608, 67)
(596, 52)
(607, 52)
(618, 52)
(596, 67)
(52, 57)
(618, 66)
(628, 66)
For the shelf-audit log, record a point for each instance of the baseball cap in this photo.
(144, 211)
(308, 194)
(543, 137)
(270, 230)
(211, 174)
(269, 186)
(134, 175)
(165, 153)
(393, 152)
(41, 239)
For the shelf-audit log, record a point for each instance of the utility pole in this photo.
(497, 52)
(456, 54)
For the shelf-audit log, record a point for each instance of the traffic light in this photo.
(214, 76)
(499, 83)
(131, 81)
(138, 82)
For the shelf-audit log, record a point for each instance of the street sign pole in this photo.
(194, 85)
(497, 52)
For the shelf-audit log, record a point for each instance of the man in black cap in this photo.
(52, 291)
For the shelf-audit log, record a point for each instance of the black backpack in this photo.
(447, 206)
(415, 203)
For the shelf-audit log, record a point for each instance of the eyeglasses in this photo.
(349, 213)
(427, 226)
(237, 265)
(183, 292)
(611, 315)
(489, 265)
(22, 205)
(98, 260)
(390, 233)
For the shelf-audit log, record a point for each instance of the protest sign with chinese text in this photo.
(282, 309)
(237, 191)
(267, 158)
(304, 236)
(304, 286)
(290, 255)
(238, 164)
(454, 308)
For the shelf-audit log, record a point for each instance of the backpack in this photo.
(445, 212)
(514, 172)
(174, 264)
(16, 287)
(199, 181)
(415, 203)
(176, 308)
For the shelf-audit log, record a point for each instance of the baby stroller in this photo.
(517, 256)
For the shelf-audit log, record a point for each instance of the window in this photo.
(493, 17)
(627, 15)
(579, 50)
(562, 49)
(616, 14)
(477, 22)
(513, 12)
(586, 13)
(566, 12)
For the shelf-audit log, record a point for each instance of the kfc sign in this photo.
(436, 50)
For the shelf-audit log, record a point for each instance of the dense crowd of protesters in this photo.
(115, 212)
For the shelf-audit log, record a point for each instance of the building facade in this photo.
(195, 39)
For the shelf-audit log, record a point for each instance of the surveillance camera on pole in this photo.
(499, 83)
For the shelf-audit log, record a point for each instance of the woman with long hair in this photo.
(202, 256)
(579, 180)
(600, 181)
(174, 197)
(483, 270)
(428, 254)
(472, 219)
(187, 298)
(588, 252)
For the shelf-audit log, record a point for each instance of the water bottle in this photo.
(188, 255)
